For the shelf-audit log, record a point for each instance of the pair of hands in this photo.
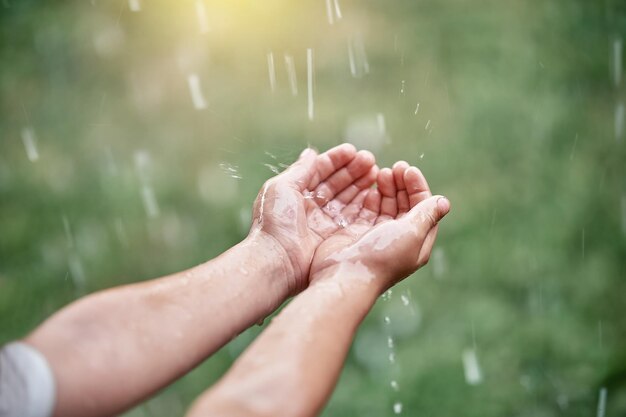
(324, 213)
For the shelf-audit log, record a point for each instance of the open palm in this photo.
(313, 199)
(374, 225)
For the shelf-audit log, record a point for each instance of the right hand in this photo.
(393, 233)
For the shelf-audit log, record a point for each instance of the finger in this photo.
(351, 211)
(427, 214)
(330, 161)
(371, 206)
(301, 172)
(416, 186)
(387, 188)
(365, 182)
(399, 168)
(427, 246)
(337, 182)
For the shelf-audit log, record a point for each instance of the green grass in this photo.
(521, 104)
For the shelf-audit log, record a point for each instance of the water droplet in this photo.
(619, 121)
(357, 57)
(271, 71)
(342, 222)
(291, 74)
(329, 12)
(394, 385)
(473, 374)
(617, 61)
(30, 144)
(230, 170)
(309, 78)
(196, 92)
(405, 300)
(149, 201)
(397, 407)
(134, 5)
(602, 403)
(203, 19)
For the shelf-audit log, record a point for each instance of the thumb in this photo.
(428, 213)
(301, 172)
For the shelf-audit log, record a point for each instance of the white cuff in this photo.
(27, 387)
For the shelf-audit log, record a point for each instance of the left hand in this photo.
(308, 202)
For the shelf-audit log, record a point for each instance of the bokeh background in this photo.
(134, 136)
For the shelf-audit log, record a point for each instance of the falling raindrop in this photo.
(196, 92)
(338, 10)
(271, 71)
(120, 231)
(380, 119)
(357, 57)
(134, 5)
(309, 74)
(617, 61)
(624, 214)
(272, 168)
(473, 374)
(405, 300)
(602, 403)
(68, 231)
(397, 407)
(30, 143)
(203, 20)
(333, 11)
(230, 169)
(619, 121)
(77, 272)
(330, 12)
(149, 201)
(438, 262)
(291, 74)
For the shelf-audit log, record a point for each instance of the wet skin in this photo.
(291, 369)
(310, 201)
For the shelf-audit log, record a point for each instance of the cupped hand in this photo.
(391, 232)
(315, 197)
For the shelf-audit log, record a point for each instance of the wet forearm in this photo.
(291, 369)
(114, 348)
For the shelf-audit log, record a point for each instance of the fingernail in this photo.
(444, 205)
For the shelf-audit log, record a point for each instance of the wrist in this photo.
(354, 274)
(265, 249)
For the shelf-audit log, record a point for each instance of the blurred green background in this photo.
(110, 173)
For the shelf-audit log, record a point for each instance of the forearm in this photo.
(292, 368)
(114, 348)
